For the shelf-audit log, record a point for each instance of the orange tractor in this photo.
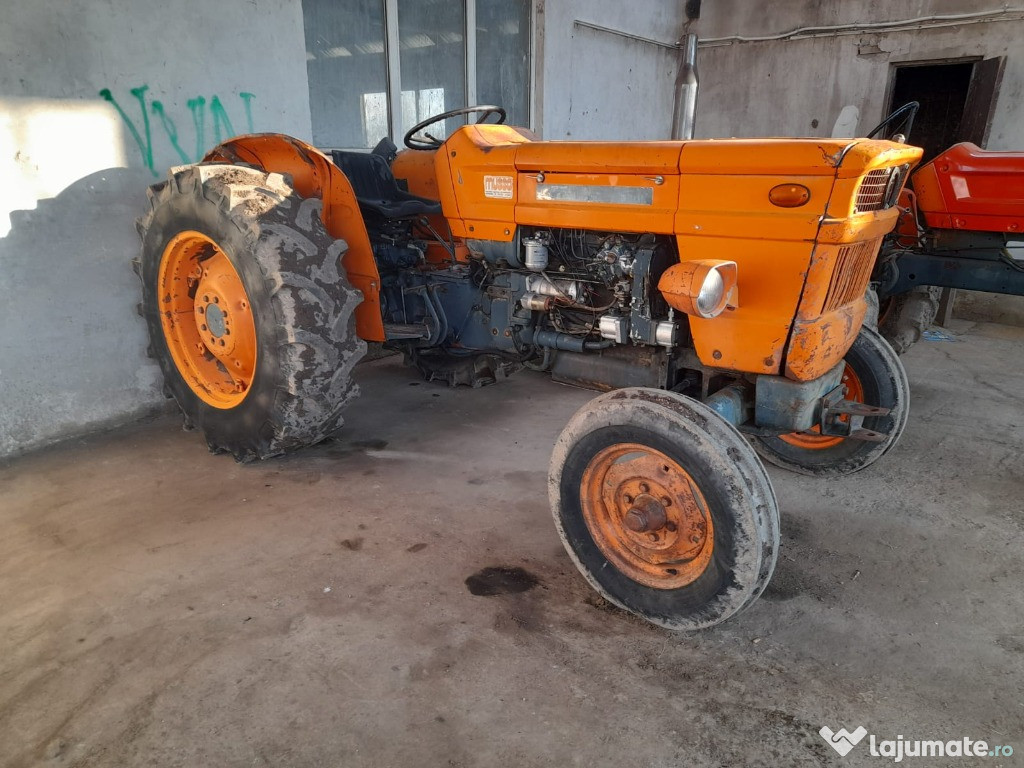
(717, 288)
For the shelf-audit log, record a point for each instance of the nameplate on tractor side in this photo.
(593, 193)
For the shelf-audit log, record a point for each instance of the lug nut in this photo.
(644, 487)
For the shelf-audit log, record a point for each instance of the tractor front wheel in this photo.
(249, 311)
(873, 375)
(664, 508)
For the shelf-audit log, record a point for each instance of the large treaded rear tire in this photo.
(903, 319)
(302, 306)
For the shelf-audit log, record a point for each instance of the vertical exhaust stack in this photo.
(686, 90)
(685, 107)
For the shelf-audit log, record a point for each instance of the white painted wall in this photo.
(778, 88)
(72, 349)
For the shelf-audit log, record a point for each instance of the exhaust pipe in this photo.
(685, 110)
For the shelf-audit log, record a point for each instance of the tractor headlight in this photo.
(712, 291)
(703, 287)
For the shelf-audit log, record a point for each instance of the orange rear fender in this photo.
(313, 175)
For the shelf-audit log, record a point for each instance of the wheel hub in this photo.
(215, 318)
(647, 515)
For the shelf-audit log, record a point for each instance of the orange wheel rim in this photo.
(647, 516)
(207, 319)
(814, 440)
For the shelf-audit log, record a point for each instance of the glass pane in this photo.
(347, 71)
(503, 57)
(432, 51)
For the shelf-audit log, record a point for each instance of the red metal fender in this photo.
(969, 188)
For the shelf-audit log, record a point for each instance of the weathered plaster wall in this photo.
(777, 88)
(97, 100)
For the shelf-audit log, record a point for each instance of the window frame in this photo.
(392, 58)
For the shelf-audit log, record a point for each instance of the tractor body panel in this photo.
(712, 197)
(972, 189)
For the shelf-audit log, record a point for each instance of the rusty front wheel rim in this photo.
(647, 516)
(814, 440)
(207, 320)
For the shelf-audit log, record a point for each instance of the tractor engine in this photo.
(567, 291)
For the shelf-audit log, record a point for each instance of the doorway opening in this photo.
(957, 100)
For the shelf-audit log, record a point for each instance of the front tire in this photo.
(664, 508)
(874, 375)
(250, 315)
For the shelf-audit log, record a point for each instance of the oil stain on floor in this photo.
(501, 580)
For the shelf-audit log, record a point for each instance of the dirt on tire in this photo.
(301, 300)
(904, 318)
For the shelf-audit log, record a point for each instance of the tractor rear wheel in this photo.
(664, 507)
(903, 319)
(249, 312)
(873, 375)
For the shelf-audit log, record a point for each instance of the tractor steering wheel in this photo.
(412, 142)
(907, 112)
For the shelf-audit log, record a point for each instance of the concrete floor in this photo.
(162, 606)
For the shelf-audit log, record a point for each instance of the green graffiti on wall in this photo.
(143, 134)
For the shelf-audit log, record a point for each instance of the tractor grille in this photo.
(851, 274)
(871, 192)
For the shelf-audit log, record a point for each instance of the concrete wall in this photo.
(595, 84)
(97, 100)
(598, 85)
(778, 88)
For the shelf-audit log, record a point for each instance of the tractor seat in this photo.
(376, 189)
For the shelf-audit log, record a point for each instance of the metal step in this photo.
(393, 331)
